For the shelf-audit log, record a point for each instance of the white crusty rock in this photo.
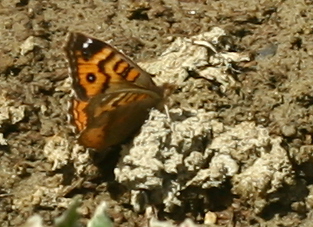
(190, 148)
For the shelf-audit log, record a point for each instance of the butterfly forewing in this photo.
(96, 65)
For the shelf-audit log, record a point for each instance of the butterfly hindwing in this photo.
(114, 117)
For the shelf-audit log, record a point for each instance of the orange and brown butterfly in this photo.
(113, 95)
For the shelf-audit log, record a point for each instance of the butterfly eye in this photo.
(91, 77)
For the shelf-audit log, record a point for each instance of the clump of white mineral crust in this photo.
(191, 147)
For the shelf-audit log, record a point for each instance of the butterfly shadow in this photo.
(105, 161)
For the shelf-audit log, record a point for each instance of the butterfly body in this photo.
(113, 94)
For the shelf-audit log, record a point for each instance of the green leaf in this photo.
(70, 217)
(100, 218)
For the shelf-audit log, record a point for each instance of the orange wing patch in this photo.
(105, 67)
(91, 78)
(132, 75)
(79, 115)
(121, 67)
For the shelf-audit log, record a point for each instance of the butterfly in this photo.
(113, 95)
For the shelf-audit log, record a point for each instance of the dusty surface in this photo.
(261, 136)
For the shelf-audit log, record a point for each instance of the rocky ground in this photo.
(234, 148)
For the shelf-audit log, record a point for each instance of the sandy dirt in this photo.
(271, 101)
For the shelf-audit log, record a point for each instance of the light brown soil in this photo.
(275, 91)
